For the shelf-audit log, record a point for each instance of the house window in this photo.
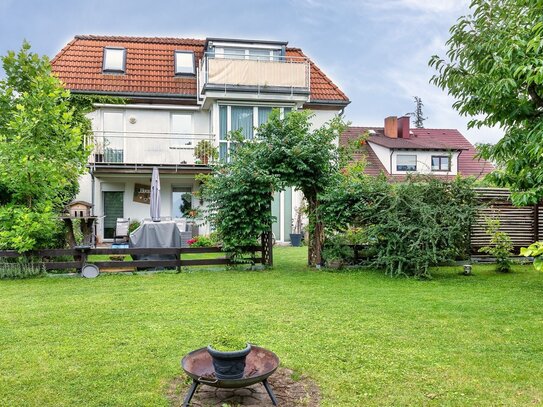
(181, 202)
(114, 60)
(255, 54)
(184, 63)
(441, 163)
(243, 118)
(405, 162)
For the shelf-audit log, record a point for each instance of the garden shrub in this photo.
(410, 226)
(19, 268)
(203, 241)
(500, 246)
(24, 229)
(337, 250)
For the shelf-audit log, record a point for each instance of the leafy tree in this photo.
(239, 196)
(304, 158)
(417, 114)
(494, 70)
(285, 153)
(42, 153)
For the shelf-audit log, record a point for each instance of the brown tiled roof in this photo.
(150, 68)
(421, 139)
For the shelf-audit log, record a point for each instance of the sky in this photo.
(376, 51)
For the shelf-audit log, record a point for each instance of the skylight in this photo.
(114, 60)
(184, 63)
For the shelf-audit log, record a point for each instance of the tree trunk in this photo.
(316, 234)
(70, 236)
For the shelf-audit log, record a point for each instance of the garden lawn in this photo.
(366, 339)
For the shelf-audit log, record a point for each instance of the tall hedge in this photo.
(410, 226)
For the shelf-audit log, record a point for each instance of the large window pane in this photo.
(259, 54)
(440, 163)
(406, 162)
(242, 119)
(223, 112)
(181, 202)
(263, 114)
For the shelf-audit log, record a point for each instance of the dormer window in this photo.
(184, 62)
(114, 60)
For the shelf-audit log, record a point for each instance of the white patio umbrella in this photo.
(155, 196)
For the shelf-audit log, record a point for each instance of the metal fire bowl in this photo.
(260, 364)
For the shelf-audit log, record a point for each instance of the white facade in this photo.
(238, 83)
(132, 135)
(389, 157)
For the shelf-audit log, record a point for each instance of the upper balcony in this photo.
(113, 151)
(247, 76)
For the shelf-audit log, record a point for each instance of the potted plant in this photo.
(296, 236)
(229, 355)
(204, 150)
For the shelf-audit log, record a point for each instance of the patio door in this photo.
(113, 209)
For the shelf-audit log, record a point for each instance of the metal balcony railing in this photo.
(230, 71)
(110, 147)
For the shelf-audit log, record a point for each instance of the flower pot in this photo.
(296, 239)
(229, 365)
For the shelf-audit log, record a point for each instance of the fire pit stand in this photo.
(260, 365)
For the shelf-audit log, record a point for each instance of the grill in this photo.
(260, 364)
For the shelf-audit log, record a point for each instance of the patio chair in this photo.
(181, 224)
(121, 229)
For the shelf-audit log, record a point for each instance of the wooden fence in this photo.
(49, 258)
(520, 223)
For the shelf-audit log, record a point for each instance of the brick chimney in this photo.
(404, 127)
(391, 127)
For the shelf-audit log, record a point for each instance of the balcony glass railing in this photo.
(151, 148)
(224, 70)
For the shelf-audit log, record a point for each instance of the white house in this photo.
(396, 150)
(182, 94)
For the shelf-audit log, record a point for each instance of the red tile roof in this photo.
(421, 139)
(150, 68)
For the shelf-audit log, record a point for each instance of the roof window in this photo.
(184, 62)
(114, 60)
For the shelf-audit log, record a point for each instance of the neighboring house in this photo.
(182, 93)
(397, 150)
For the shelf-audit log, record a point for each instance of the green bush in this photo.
(410, 226)
(19, 268)
(203, 241)
(337, 250)
(24, 229)
(500, 246)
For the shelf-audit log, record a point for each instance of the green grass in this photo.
(366, 339)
